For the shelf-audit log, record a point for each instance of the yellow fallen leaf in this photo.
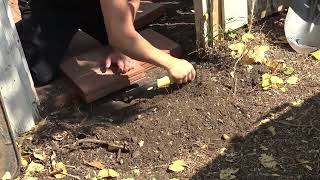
(293, 80)
(96, 164)
(7, 176)
(316, 54)
(276, 82)
(141, 143)
(136, 172)
(297, 103)
(238, 50)
(61, 169)
(232, 35)
(258, 54)
(39, 154)
(265, 83)
(24, 162)
(174, 179)
(177, 166)
(222, 151)
(288, 71)
(128, 179)
(264, 121)
(283, 89)
(272, 130)
(34, 167)
(107, 173)
(268, 161)
(247, 37)
(228, 174)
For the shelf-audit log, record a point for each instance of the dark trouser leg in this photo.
(45, 33)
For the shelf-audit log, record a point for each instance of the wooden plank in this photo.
(215, 20)
(16, 85)
(264, 8)
(202, 9)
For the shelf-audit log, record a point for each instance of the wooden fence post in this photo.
(207, 22)
(202, 22)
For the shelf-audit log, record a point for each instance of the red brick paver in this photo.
(93, 82)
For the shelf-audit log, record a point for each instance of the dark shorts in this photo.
(47, 27)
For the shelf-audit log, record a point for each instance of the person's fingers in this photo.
(108, 62)
(121, 66)
(185, 79)
(190, 76)
(194, 74)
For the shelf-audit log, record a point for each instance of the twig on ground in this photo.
(110, 146)
(234, 75)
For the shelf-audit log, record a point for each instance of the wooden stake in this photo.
(202, 22)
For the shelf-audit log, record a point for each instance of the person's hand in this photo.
(122, 62)
(182, 71)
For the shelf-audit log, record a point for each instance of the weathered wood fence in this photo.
(213, 17)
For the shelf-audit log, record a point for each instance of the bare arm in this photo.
(118, 17)
(134, 5)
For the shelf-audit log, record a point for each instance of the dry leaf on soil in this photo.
(39, 154)
(61, 170)
(177, 166)
(316, 54)
(258, 54)
(270, 81)
(96, 164)
(297, 103)
(264, 121)
(238, 50)
(34, 168)
(232, 35)
(141, 143)
(293, 80)
(268, 161)
(6, 176)
(136, 172)
(272, 130)
(228, 174)
(24, 162)
(108, 173)
(288, 71)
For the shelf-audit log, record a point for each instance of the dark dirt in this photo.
(188, 122)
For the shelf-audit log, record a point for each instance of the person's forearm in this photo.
(123, 36)
(135, 5)
(136, 47)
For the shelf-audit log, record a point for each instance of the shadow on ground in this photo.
(295, 146)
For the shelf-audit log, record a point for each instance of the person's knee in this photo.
(42, 73)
